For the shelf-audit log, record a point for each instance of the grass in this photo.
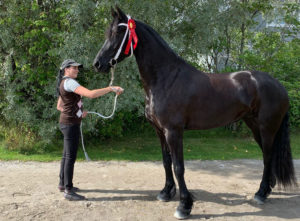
(200, 145)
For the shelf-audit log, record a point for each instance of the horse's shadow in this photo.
(141, 195)
(272, 208)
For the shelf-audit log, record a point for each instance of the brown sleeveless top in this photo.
(72, 106)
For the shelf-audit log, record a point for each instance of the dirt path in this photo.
(127, 191)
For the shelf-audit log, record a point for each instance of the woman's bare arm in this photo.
(97, 92)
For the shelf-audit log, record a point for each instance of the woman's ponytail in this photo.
(58, 81)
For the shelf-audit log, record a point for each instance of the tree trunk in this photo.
(243, 28)
(228, 45)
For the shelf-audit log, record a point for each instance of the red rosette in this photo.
(132, 35)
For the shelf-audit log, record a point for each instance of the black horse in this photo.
(179, 97)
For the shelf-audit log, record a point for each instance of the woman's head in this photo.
(71, 71)
(68, 68)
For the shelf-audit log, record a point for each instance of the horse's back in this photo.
(227, 97)
(218, 99)
(253, 84)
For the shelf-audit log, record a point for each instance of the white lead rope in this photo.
(99, 115)
(106, 117)
(111, 82)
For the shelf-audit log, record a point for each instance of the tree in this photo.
(36, 36)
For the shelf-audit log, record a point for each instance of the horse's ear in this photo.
(113, 12)
(121, 14)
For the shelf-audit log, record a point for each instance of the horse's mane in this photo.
(156, 36)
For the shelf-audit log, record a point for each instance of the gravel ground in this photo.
(118, 190)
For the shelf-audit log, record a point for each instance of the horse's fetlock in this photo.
(169, 185)
(186, 196)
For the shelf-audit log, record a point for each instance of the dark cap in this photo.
(68, 63)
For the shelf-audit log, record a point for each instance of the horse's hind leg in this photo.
(268, 180)
(264, 138)
(169, 191)
(253, 125)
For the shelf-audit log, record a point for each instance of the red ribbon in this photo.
(132, 35)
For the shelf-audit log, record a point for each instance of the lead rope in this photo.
(113, 63)
(100, 115)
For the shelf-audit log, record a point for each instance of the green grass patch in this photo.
(198, 145)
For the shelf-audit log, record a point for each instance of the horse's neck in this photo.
(153, 58)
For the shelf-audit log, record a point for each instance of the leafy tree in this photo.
(36, 36)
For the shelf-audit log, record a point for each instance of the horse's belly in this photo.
(213, 119)
(205, 125)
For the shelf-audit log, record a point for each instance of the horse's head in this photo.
(116, 43)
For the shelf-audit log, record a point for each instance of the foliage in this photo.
(35, 39)
(18, 137)
(215, 144)
(36, 36)
(268, 53)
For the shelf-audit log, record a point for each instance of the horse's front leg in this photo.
(174, 140)
(169, 191)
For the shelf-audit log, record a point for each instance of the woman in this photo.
(69, 103)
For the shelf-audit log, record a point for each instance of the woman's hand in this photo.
(118, 90)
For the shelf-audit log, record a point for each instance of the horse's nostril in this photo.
(97, 64)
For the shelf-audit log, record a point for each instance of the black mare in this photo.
(179, 97)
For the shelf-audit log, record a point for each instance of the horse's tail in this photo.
(282, 162)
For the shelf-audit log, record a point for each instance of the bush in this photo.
(18, 137)
(36, 36)
(281, 59)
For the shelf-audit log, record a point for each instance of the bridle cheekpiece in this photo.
(130, 30)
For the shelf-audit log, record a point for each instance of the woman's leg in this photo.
(61, 184)
(71, 142)
(61, 172)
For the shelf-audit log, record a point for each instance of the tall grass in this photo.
(204, 145)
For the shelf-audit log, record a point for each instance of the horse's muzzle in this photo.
(101, 67)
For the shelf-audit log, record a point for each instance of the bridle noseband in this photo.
(130, 30)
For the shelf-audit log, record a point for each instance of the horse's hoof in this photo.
(165, 197)
(259, 200)
(182, 214)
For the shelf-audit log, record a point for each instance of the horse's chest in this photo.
(151, 109)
